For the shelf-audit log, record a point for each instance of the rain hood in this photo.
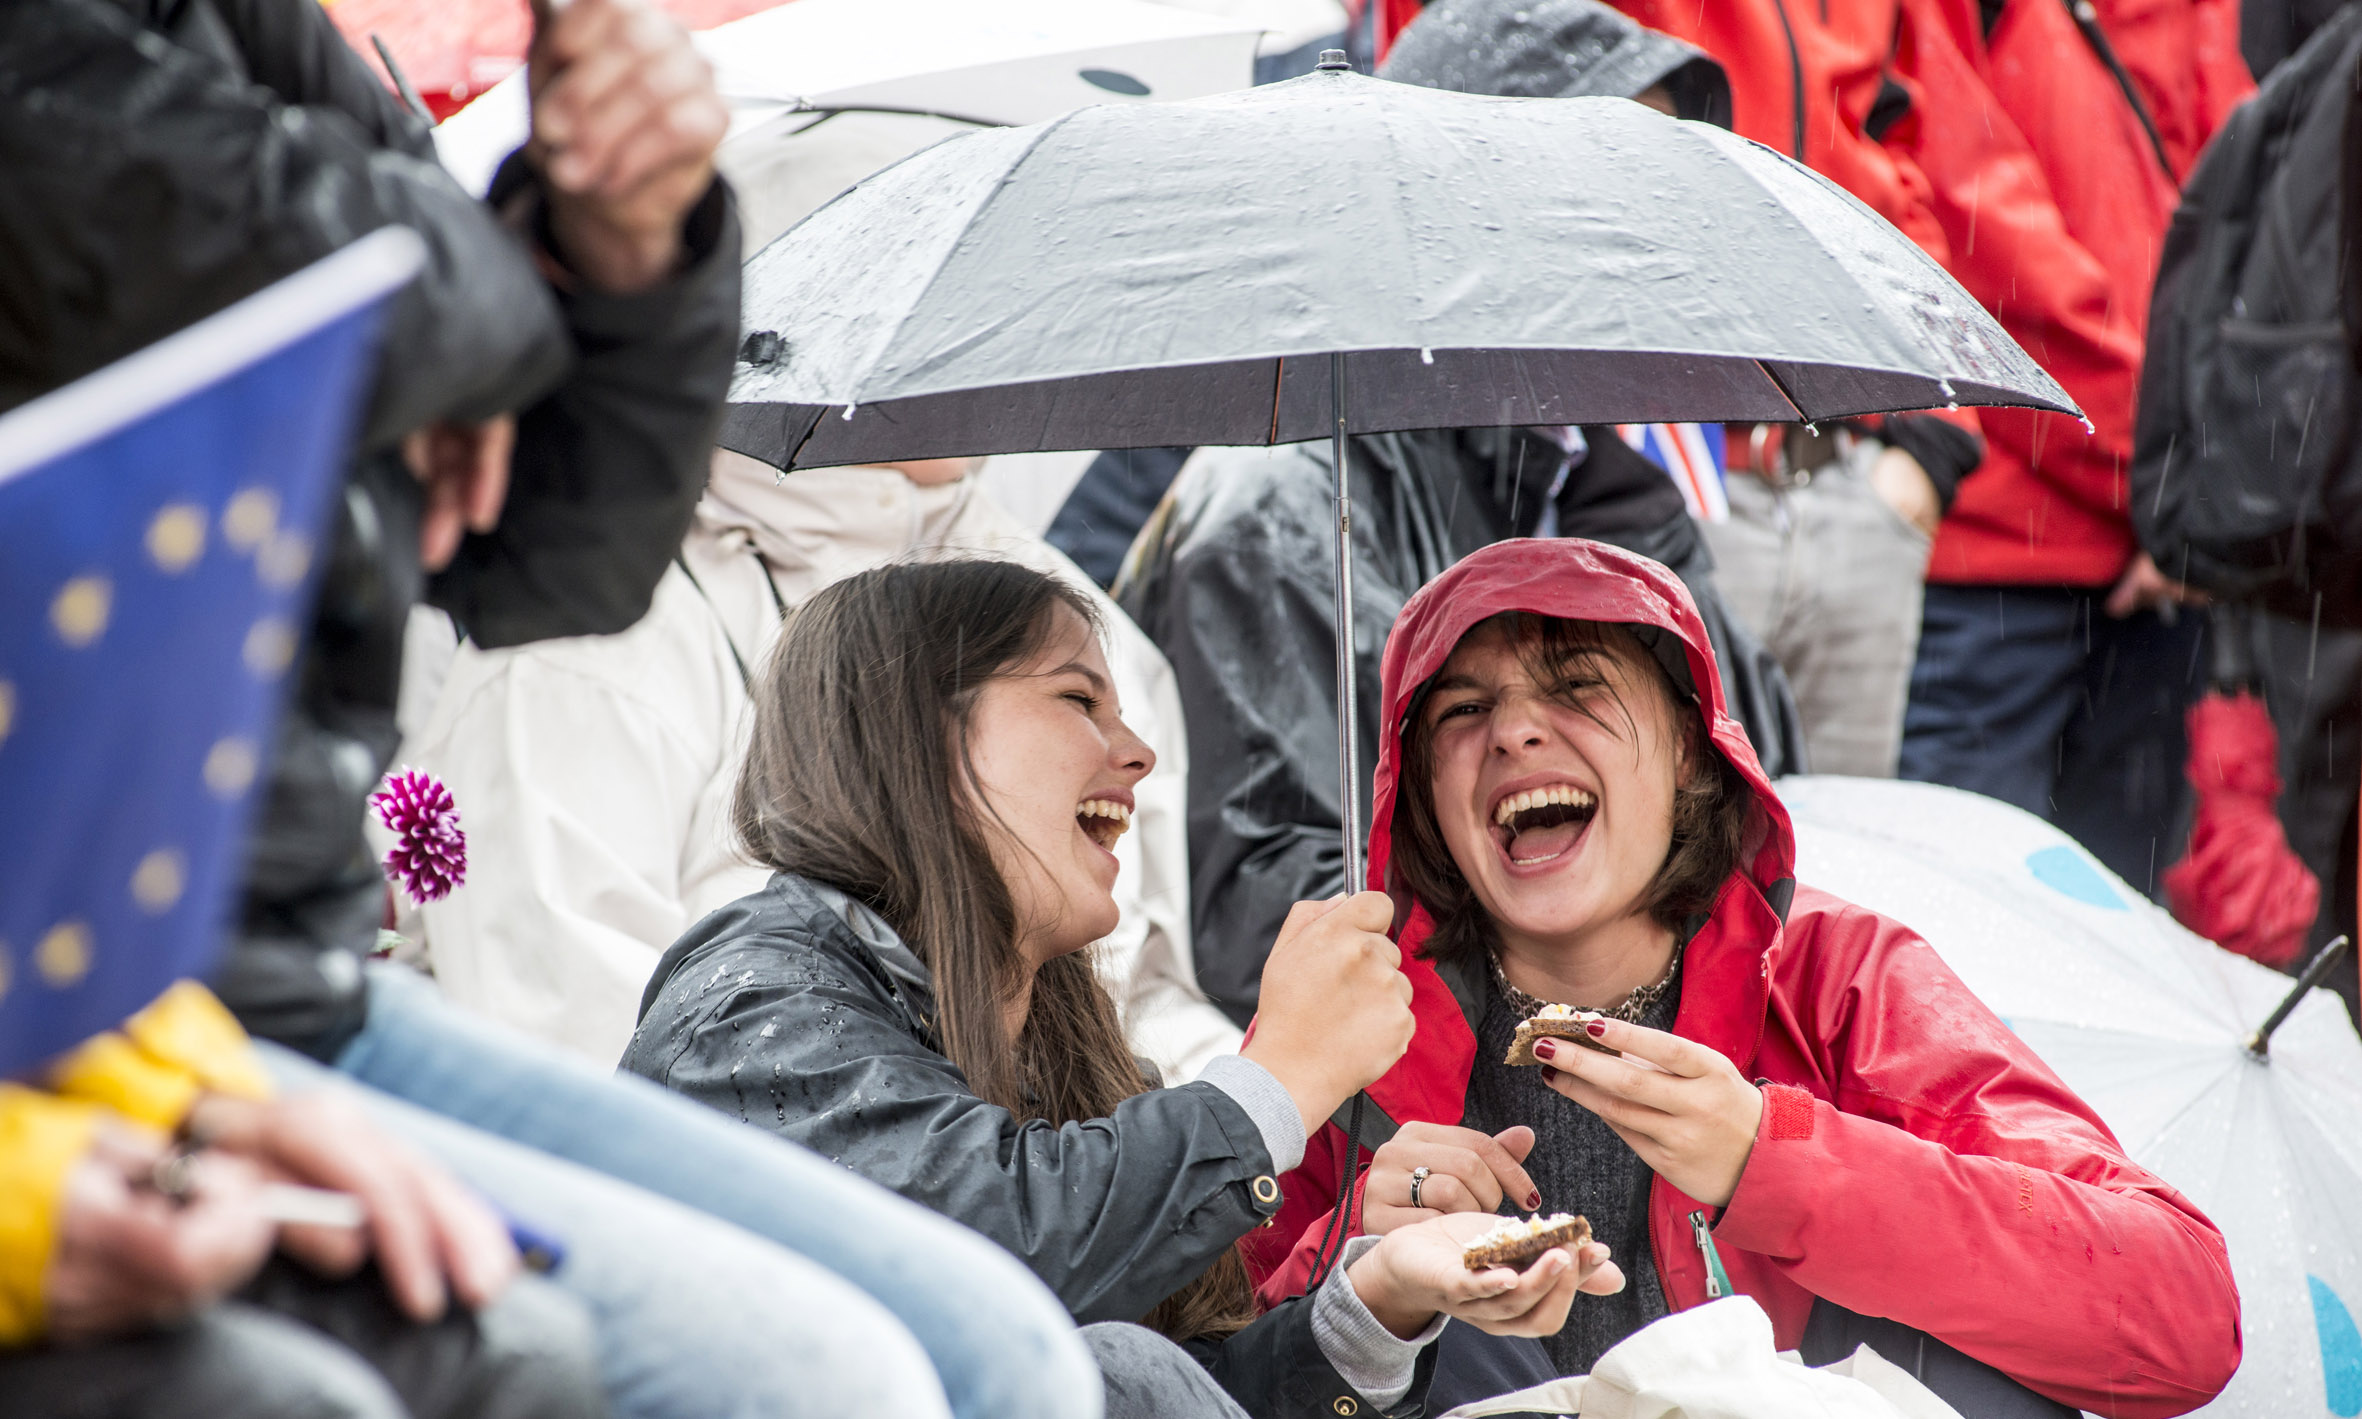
(1572, 579)
(1554, 49)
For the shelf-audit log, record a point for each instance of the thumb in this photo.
(1369, 911)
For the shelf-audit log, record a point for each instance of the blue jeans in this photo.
(2037, 697)
(1000, 1342)
(693, 1318)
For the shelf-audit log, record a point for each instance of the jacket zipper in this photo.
(1795, 76)
(2087, 20)
(1717, 1279)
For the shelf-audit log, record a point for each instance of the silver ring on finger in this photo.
(1418, 1178)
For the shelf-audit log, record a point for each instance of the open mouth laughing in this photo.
(1104, 820)
(1540, 825)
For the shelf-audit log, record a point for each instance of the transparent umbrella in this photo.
(2152, 1026)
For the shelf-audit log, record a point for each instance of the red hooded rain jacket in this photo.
(1915, 1161)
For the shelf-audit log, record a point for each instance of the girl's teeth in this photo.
(1517, 803)
(1104, 819)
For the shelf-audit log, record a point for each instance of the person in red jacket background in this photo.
(1566, 813)
(2054, 667)
(2036, 149)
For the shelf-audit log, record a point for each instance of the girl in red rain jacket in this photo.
(1565, 813)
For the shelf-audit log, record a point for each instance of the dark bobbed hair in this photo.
(1710, 808)
(861, 715)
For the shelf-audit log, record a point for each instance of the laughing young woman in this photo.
(1824, 1118)
(937, 770)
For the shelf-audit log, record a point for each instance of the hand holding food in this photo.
(1684, 1108)
(1421, 1270)
(1554, 1022)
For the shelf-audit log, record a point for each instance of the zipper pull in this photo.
(1717, 1279)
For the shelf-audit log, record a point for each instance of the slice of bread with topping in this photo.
(1519, 1245)
(1553, 1022)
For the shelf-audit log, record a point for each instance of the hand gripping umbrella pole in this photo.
(2259, 1044)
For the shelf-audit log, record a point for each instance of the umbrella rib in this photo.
(1776, 383)
(1279, 371)
(831, 110)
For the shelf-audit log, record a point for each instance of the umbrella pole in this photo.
(2259, 1044)
(1348, 706)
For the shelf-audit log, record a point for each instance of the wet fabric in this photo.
(1233, 581)
(773, 1011)
(2245, 478)
(1711, 274)
(1916, 1160)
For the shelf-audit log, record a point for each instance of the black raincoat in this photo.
(775, 1011)
(160, 159)
(1233, 581)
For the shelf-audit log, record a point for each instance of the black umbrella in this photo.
(1334, 255)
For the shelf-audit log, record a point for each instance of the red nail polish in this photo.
(1596, 1029)
(1544, 1049)
(1534, 1203)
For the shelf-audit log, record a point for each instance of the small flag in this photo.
(161, 521)
(1691, 455)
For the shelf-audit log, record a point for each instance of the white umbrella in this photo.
(2150, 1024)
(978, 61)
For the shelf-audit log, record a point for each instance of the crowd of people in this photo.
(907, 964)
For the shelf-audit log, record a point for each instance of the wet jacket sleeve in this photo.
(147, 181)
(1114, 1214)
(1976, 1198)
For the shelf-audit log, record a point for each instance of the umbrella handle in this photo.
(1348, 700)
(2259, 1044)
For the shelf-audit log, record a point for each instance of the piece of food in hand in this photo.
(1518, 1245)
(1554, 1022)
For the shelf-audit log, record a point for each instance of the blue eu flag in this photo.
(160, 522)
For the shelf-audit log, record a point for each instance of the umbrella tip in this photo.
(1334, 60)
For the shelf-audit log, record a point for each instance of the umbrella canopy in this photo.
(1180, 273)
(983, 61)
(2148, 1023)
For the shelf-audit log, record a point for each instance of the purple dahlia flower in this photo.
(429, 856)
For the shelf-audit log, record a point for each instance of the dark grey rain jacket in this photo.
(776, 1012)
(1233, 581)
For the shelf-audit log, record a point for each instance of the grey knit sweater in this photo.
(1579, 1165)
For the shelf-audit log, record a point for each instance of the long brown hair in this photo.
(1710, 806)
(862, 715)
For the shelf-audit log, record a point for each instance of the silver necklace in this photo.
(1632, 1009)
